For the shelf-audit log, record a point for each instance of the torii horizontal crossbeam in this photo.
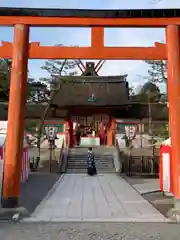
(158, 52)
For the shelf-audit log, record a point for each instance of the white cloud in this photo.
(132, 68)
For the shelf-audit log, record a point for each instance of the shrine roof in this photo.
(78, 91)
(90, 13)
(93, 79)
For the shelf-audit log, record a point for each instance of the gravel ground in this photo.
(89, 231)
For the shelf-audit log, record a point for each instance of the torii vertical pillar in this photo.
(173, 53)
(15, 134)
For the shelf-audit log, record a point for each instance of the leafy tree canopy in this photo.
(5, 70)
(149, 92)
(38, 91)
(157, 72)
(57, 68)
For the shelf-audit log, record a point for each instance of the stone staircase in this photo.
(104, 157)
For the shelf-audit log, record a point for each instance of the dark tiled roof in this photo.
(90, 13)
(159, 111)
(130, 111)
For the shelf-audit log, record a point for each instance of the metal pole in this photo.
(50, 156)
(150, 118)
(141, 133)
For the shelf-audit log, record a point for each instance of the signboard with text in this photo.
(130, 131)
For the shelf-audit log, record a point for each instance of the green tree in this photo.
(149, 92)
(5, 71)
(38, 91)
(56, 69)
(157, 71)
(131, 90)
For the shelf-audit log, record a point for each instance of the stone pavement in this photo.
(108, 197)
(144, 185)
(149, 185)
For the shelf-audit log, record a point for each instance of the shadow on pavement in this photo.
(162, 203)
(36, 188)
(139, 179)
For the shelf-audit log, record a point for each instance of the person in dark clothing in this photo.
(91, 166)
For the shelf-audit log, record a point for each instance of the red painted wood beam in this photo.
(158, 52)
(16, 113)
(127, 53)
(88, 22)
(173, 51)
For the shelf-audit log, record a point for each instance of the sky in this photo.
(136, 70)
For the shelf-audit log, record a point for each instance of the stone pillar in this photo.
(15, 134)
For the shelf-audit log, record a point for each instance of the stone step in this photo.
(81, 156)
(85, 165)
(77, 160)
(85, 154)
(85, 162)
(95, 148)
(85, 170)
(96, 154)
(85, 157)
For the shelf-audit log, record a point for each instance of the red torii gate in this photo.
(21, 50)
